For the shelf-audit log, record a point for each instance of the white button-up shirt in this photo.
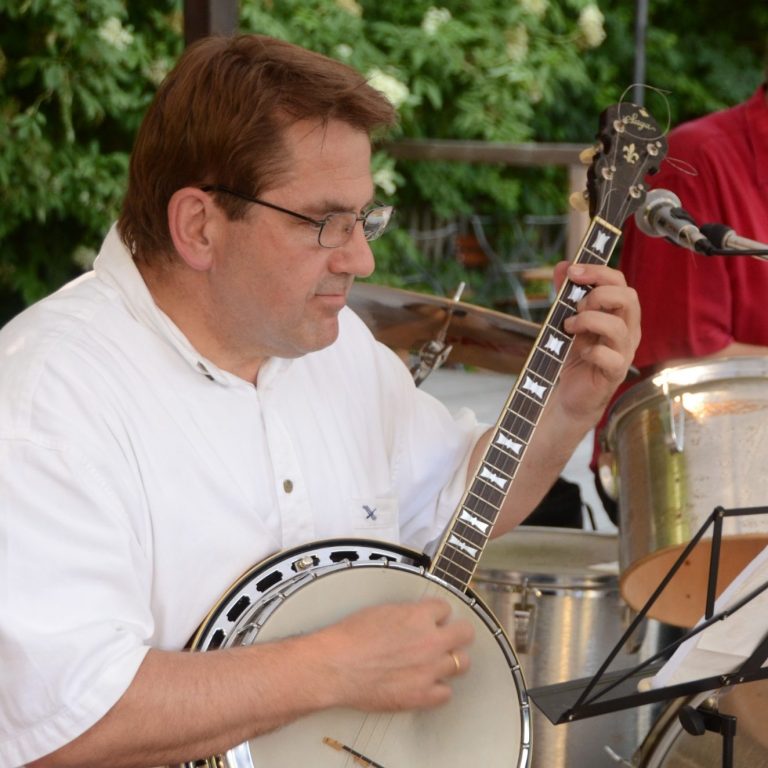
(138, 481)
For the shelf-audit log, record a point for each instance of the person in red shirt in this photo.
(696, 306)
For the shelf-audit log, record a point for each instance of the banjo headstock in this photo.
(630, 146)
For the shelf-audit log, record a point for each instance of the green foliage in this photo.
(75, 79)
(76, 76)
(474, 69)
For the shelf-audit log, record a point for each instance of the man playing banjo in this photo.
(203, 399)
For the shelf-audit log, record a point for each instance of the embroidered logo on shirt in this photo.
(370, 513)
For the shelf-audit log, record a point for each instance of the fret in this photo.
(535, 387)
(525, 406)
(471, 544)
(507, 444)
(587, 257)
(600, 240)
(555, 343)
(460, 552)
(457, 563)
(492, 476)
(502, 461)
(560, 311)
(480, 507)
(491, 496)
(470, 534)
(514, 424)
(546, 366)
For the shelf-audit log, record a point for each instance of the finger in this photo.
(611, 363)
(438, 609)
(606, 325)
(595, 274)
(607, 301)
(459, 662)
(459, 634)
(608, 298)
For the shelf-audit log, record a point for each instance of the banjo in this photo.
(488, 719)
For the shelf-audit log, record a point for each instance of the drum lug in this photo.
(608, 475)
(674, 426)
(524, 612)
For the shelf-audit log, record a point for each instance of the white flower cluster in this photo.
(535, 7)
(433, 19)
(517, 44)
(384, 179)
(115, 34)
(344, 51)
(591, 22)
(396, 91)
(157, 70)
(350, 6)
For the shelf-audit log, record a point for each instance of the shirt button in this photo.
(287, 486)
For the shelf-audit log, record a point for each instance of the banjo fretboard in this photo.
(460, 550)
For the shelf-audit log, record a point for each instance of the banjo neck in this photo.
(630, 146)
(471, 526)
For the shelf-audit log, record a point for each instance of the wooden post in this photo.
(209, 17)
(578, 221)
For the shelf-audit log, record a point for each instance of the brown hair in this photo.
(219, 118)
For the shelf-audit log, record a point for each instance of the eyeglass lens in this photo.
(338, 227)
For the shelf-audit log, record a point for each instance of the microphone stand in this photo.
(726, 242)
(760, 254)
(557, 701)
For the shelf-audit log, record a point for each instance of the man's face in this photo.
(275, 290)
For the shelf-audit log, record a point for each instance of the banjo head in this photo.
(486, 722)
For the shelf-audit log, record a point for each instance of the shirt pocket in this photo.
(374, 518)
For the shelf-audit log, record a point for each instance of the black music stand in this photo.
(585, 697)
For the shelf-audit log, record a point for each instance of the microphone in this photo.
(725, 237)
(663, 216)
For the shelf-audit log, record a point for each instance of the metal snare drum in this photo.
(690, 439)
(556, 592)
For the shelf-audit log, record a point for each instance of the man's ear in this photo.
(191, 213)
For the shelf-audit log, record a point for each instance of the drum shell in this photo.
(693, 438)
(667, 745)
(570, 578)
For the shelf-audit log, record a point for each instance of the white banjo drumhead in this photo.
(486, 723)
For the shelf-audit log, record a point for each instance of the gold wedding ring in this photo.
(456, 662)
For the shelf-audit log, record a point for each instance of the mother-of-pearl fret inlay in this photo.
(475, 522)
(531, 386)
(486, 474)
(602, 239)
(463, 546)
(505, 442)
(577, 293)
(554, 345)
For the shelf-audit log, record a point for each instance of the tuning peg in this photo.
(588, 153)
(578, 201)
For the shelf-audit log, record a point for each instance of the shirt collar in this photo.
(115, 266)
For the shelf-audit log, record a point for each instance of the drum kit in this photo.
(693, 438)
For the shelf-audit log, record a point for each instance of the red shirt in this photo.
(695, 305)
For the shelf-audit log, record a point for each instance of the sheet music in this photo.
(726, 644)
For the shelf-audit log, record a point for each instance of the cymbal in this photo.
(407, 320)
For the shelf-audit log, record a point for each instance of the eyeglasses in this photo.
(334, 229)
